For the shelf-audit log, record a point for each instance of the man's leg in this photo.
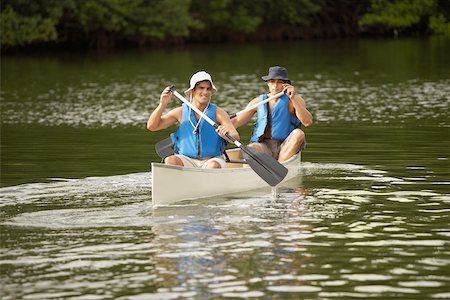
(173, 160)
(261, 148)
(291, 145)
(180, 160)
(214, 163)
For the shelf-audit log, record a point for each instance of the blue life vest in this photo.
(282, 121)
(205, 142)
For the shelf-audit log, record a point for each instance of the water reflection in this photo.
(311, 241)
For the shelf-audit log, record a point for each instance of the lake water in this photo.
(368, 217)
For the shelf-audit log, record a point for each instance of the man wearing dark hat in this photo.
(277, 130)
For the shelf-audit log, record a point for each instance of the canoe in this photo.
(171, 184)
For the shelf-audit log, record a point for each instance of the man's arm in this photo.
(243, 118)
(301, 111)
(157, 119)
(298, 104)
(225, 125)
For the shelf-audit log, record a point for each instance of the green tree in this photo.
(289, 12)
(236, 19)
(440, 25)
(105, 24)
(101, 22)
(106, 21)
(404, 15)
(26, 22)
(224, 18)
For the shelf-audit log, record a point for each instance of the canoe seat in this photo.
(234, 155)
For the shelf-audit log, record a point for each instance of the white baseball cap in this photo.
(196, 78)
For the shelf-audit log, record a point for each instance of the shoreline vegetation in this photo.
(105, 25)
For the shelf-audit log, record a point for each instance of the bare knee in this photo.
(259, 147)
(298, 136)
(255, 146)
(173, 160)
(213, 165)
(292, 145)
(296, 139)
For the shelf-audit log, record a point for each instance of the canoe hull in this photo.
(171, 184)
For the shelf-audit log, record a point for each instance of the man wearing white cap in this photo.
(196, 142)
(277, 130)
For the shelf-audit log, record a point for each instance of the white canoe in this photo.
(171, 184)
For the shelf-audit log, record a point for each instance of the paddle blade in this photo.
(267, 167)
(164, 148)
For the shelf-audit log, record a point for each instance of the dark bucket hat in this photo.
(277, 72)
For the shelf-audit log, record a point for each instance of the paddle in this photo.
(267, 167)
(164, 148)
(257, 104)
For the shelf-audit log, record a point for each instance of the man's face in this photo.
(275, 85)
(202, 92)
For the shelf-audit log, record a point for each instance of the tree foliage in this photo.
(398, 14)
(109, 23)
(24, 22)
(440, 25)
(408, 14)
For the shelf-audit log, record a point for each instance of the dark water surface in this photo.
(368, 218)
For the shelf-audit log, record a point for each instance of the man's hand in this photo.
(166, 96)
(222, 130)
(289, 90)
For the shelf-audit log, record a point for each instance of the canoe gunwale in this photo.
(219, 170)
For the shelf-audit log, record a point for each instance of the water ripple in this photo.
(118, 103)
(336, 240)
